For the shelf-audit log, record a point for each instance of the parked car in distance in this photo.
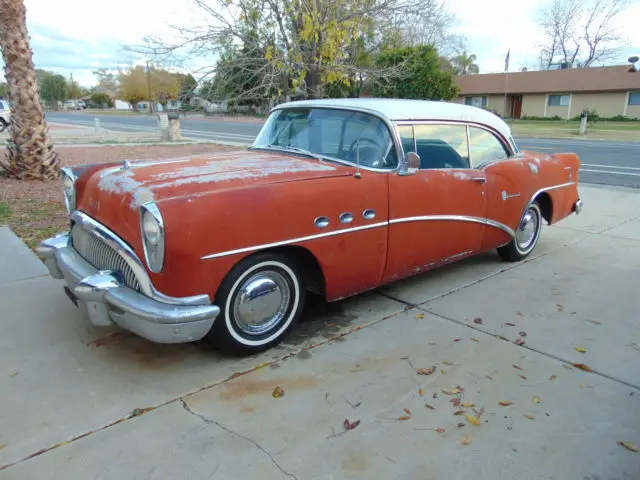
(335, 197)
(73, 105)
(5, 115)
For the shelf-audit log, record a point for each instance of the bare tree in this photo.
(575, 26)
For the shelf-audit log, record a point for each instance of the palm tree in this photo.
(464, 64)
(30, 153)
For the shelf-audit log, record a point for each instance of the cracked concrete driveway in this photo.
(79, 402)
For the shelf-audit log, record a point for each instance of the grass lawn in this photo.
(622, 131)
(34, 220)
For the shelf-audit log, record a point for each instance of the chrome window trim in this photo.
(126, 252)
(456, 218)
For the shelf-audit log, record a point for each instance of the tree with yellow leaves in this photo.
(158, 85)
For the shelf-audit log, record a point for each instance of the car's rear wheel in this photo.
(526, 235)
(260, 301)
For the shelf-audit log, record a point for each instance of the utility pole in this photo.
(72, 89)
(149, 87)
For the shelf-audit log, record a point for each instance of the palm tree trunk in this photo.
(30, 153)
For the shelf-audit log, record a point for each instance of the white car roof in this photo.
(395, 109)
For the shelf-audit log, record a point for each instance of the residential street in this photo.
(608, 163)
(80, 402)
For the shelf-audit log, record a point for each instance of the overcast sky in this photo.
(70, 37)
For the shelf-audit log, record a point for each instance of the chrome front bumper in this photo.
(109, 302)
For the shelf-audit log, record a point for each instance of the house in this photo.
(610, 91)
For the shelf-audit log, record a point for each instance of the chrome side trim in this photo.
(294, 240)
(456, 218)
(129, 256)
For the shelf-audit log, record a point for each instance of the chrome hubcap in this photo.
(262, 302)
(526, 234)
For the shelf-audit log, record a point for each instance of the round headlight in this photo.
(151, 228)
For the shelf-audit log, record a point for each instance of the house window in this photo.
(558, 100)
(634, 98)
(476, 101)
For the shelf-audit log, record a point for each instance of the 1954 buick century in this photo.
(335, 197)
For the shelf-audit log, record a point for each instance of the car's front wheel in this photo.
(260, 301)
(526, 235)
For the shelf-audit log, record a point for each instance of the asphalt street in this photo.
(603, 162)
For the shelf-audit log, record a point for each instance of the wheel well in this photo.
(546, 206)
(309, 266)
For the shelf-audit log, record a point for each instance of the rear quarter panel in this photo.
(262, 215)
(513, 183)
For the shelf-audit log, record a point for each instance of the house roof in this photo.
(395, 109)
(595, 79)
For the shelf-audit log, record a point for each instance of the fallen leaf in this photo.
(505, 403)
(460, 412)
(404, 417)
(447, 363)
(473, 420)
(477, 321)
(537, 399)
(458, 389)
(510, 324)
(522, 377)
(14, 374)
(421, 392)
(457, 339)
(552, 377)
(519, 342)
(440, 430)
(502, 337)
(516, 367)
(629, 446)
(490, 378)
(430, 407)
(420, 316)
(519, 314)
(568, 367)
(582, 366)
(522, 334)
(442, 372)
(350, 425)
(479, 412)
(455, 401)
(407, 411)
(278, 392)
(2, 445)
(469, 405)
(560, 307)
(530, 417)
(446, 392)
(425, 371)
(581, 350)
(595, 322)
(465, 441)
(475, 340)
(435, 395)
(460, 425)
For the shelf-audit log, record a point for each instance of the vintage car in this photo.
(334, 197)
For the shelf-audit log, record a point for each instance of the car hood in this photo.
(114, 192)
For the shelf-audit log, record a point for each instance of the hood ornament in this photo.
(126, 164)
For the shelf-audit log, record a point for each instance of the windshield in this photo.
(330, 133)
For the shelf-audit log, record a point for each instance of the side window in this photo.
(485, 147)
(439, 146)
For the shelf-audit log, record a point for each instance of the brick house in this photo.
(610, 91)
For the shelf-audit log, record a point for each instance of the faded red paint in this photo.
(224, 202)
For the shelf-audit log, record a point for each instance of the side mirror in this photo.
(413, 160)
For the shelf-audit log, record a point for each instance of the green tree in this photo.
(102, 100)
(53, 88)
(417, 74)
(4, 90)
(465, 64)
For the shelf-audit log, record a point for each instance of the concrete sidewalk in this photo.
(80, 402)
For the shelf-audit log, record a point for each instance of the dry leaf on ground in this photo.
(430, 407)
(420, 316)
(465, 441)
(475, 340)
(522, 334)
(447, 363)
(537, 399)
(595, 322)
(460, 425)
(510, 324)
(278, 392)
(404, 417)
(350, 425)
(473, 420)
(629, 446)
(581, 350)
(442, 372)
(582, 366)
(421, 392)
(560, 307)
(530, 417)
(457, 339)
(407, 411)
(516, 367)
(522, 376)
(568, 367)
(440, 430)
(425, 371)
(553, 377)
(505, 403)
(469, 405)
(477, 321)
(519, 342)
(459, 412)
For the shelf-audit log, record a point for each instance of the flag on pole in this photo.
(506, 61)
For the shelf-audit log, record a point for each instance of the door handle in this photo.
(479, 179)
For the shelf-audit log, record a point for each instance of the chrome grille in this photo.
(95, 251)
